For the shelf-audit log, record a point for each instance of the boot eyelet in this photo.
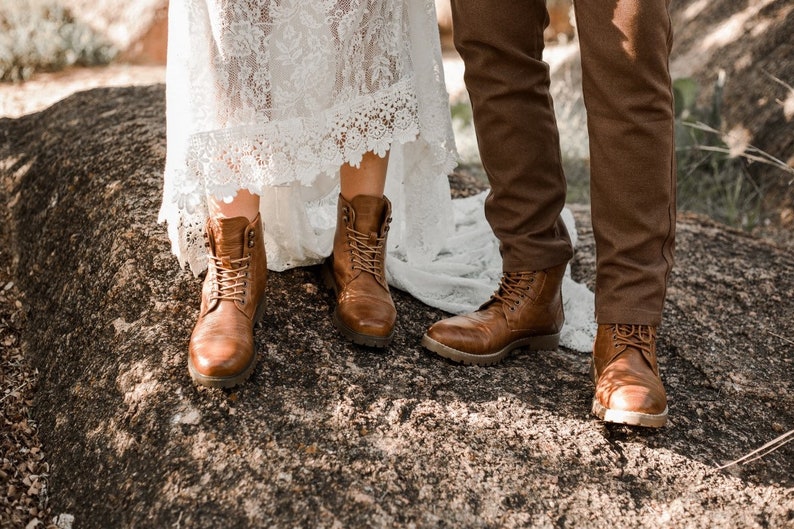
(251, 244)
(512, 309)
(251, 234)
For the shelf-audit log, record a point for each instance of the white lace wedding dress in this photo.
(273, 96)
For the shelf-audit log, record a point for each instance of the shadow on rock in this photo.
(330, 434)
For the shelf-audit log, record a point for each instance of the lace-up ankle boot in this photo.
(232, 301)
(365, 312)
(526, 311)
(628, 387)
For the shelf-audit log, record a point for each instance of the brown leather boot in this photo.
(365, 312)
(628, 387)
(232, 300)
(526, 311)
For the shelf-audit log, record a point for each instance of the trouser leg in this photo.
(501, 42)
(625, 47)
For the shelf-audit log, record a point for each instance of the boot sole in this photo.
(368, 340)
(361, 339)
(549, 342)
(221, 382)
(233, 380)
(632, 418)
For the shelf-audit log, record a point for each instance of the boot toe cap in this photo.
(369, 320)
(460, 337)
(648, 398)
(220, 359)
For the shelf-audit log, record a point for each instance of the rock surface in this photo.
(326, 434)
(747, 48)
(752, 43)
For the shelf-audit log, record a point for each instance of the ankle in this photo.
(244, 204)
(350, 197)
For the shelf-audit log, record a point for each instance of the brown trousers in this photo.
(625, 47)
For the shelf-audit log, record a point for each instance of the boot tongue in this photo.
(229, 236)
(369, 213)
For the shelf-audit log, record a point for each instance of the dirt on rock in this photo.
(327, 434)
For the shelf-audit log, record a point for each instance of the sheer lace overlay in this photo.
(273, 96)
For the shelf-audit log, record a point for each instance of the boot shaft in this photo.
(236, 247)
(360, 240)
(531, 300)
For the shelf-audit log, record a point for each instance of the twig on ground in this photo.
(779, 81)
(13, 391)
(782, 338)
(768, 448)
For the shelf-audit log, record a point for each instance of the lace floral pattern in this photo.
(280, 153)
(274, 96)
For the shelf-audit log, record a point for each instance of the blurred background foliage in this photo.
(42, 35)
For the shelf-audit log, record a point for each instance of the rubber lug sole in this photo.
(221, 382)
(632, 418)
(549, 342)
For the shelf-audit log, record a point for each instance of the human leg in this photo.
(625, 48)
(501, 43)
(245, 204)
(369, 178)
(365, 312)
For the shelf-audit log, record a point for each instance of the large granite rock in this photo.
(326, 434)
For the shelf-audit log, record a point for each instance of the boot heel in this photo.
(260, 311)
(360, 338)
(548, 342)
(328, 275)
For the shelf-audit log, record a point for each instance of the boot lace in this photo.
(365, 255)
(513, 288)
(640, 337)
(229, 283)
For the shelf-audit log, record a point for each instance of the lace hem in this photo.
(223, 162)
(283, 152)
